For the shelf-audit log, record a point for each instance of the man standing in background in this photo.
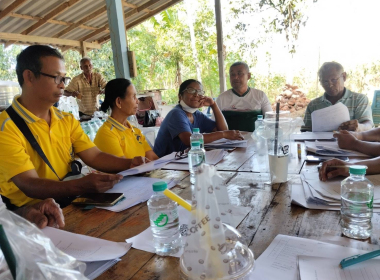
(86, 87)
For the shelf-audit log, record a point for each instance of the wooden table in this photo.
(272, 213)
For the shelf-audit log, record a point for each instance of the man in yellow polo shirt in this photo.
(25, 178)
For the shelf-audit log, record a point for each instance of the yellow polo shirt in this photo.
(116, 139)
(59, 141)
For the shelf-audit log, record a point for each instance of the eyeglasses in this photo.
(195, 91)
(180, 155)
(333, 81)
(58, 79)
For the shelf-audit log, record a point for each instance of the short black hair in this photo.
(185, 84)
(238, 63)
(114, 89)
(30, 59)
(85, 59)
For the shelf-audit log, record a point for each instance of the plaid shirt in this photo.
(89, 102)
(357, 104)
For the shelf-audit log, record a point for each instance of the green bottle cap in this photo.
(195, 130)
(358, 169)
(259, 117)
(159, 186)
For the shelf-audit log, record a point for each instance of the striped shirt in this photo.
(89, 102)
(357, 104)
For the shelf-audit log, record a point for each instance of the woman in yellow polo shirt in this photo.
(117, 136)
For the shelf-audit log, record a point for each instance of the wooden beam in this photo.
(58, 22)
(126, 4)
(84, 48)
(46, 40)
(96, 32)
(9, 9)
(83, 20)
(141, 8)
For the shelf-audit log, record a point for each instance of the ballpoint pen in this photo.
(359, 258)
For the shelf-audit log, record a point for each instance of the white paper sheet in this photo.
(225, 143)
(329, 118)
(86, 248)
(95, 269)
(312, 136)
(320, 268)
(144, 240)
(279, 260)
(135, 190)
(156, 164)
(327, 148)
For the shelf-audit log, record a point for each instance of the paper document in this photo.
(144, 240)
(279, 260)
(225, 143)
(135, 190)
(329, 118)
(86, 248)
(95, 269)
(212, 158)
(330, 149)
(153, 165)
(313, 136)
(319, 268)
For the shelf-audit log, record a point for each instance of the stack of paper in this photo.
(292, 258)
(316, 194)
(329, 118)
(307, 136)
(212, 158)
(98, 254)
(227, 144)
(330, 149)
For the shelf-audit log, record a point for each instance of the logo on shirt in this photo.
(138, 138)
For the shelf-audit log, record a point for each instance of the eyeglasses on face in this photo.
(333, 81)
(58, 79)
(194, 91)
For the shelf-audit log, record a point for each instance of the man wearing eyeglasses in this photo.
(86, 87)
(332, 78)
(25, 178)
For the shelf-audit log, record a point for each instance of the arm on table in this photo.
(351, 141)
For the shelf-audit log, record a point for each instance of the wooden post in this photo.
(219, 40)
(116, 26)
(83, 48)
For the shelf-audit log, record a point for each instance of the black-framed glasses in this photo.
(180, 155)
(333, 81)
(58, 79)
(194, 91)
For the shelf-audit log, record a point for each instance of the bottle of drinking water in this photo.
(86, 129)
(164, 221)
(357, 204)
(260, 141)
(197, 156)
(197, 136)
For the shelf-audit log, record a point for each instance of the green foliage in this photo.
(8, 62)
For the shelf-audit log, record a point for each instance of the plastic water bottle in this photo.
(197, 136)
(260, 141)
(197, 156)
(164, 221)
(357, 204)
(86, 129)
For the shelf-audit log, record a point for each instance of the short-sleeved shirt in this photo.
(60, 142)
(88, 104)
(176, 122)
(252, 100)
(357, 104)
(119, 140)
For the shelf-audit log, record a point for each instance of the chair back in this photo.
(243, 121)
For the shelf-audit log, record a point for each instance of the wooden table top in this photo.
(272, 214)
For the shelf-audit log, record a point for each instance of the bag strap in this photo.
(23, 127)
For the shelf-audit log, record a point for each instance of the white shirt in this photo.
(254, 99)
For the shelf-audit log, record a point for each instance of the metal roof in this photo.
(68, 23)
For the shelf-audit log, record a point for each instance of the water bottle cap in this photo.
(196, 130)
(195, 144)
(259, 117)
(358, 169)
(159, 186)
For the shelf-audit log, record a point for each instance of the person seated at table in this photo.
(176, 129)
(25, 178)
(117, 136)
(332, 78)
(366, 142)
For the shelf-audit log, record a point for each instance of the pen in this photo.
(359, 258)
(299, 152)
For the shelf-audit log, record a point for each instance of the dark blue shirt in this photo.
(176, 122)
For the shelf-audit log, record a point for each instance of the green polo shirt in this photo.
(357, 104)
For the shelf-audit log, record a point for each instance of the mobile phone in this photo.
(311, 158)
(98, 199)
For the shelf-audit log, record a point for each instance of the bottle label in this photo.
(160, 219)
(370, 203)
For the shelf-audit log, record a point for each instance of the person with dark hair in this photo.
(86, 87)
(25, 177)
(176, 129)
(117, 136)
(332, 78)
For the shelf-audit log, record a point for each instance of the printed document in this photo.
(329, 118)
(212, 158)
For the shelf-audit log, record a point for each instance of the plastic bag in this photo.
(36, 256)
